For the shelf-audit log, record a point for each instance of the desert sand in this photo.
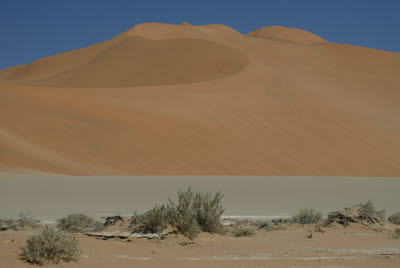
(337, 247)
(182, 99)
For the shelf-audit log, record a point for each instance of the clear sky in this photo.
(33, 29)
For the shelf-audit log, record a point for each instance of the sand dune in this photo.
(182, 99)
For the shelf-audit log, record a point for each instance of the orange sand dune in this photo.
(182, 99)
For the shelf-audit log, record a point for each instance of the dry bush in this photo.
(307, 216)
(208, 211)
(395, 218)
(243, 231)
(368, 211)
(50, 245)
(195, 212)
(153, 221)
(79, 223)
(8, 223)
(182, 215)
(190, 214)
(24, 221)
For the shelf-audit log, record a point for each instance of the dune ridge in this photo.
(183, 99)
(293, 35)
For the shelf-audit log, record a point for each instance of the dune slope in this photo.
(182, 99)
(135, 61)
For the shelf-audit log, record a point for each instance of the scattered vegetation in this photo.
(50, 245)
(79, 223)
(153, 221)
(243, 231)
(24, 221)
(307, 216)
(395, 218)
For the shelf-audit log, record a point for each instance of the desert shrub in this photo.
(395, 218)
(243, 231)
(368, 211)
(208, 211)
(6, 223)
(182, 215)
(152, 221)
(195, 212)
(79, 223)
(24, 221)
(307, 216)
(50, 245)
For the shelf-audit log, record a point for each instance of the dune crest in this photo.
(293, 35)
(184, 99)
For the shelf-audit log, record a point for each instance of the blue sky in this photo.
(33, 29)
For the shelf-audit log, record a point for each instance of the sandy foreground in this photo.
(336, 247)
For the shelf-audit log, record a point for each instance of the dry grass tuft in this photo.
(243, 231)
(79, 223)
(307, 216)
(24, 221)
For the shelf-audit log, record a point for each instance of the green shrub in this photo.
(50, 245)
(208, 211)
(153, 221)
(24, 221)
(395, 218)
(79, 223)
(243, 231)
(307, 216)
(192, 213)
(182, 215)
(195, 212)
